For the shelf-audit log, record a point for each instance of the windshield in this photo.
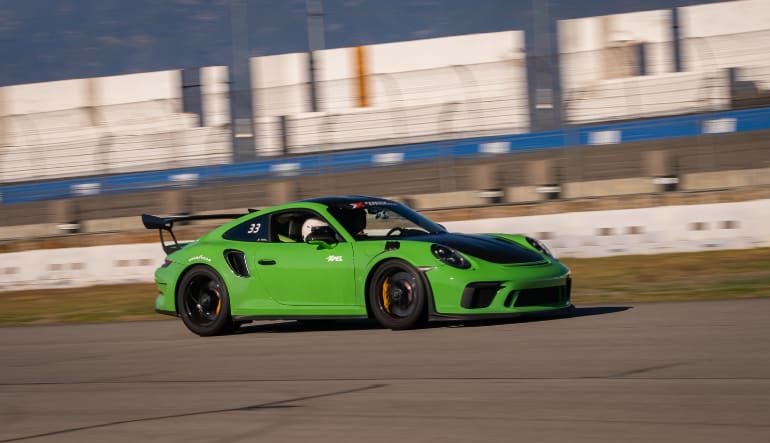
(380, 219)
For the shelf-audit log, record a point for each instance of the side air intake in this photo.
(237, 262)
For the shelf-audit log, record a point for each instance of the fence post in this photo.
(3, 136)
(241, 106)
(283, 122)
(191, 93)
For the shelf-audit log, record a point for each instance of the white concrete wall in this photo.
(575, 234)
(96, 151)
(79, 266)
(279, 83)
(729, 17)
(336, 74)
(433, 53)
(599, 65)
(44, 97)
(649, 96)
(639, 231)
(135, 124)
(418, 90)
(728, 34)
(442, 70)
(584, 43)
(714, 37)
(215, 87)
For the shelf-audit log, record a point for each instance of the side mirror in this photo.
(323, 236)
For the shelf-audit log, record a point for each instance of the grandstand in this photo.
(447, 117)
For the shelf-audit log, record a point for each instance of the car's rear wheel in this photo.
(203, 302)
(397, 295)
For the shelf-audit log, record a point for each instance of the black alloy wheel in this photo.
(203, 302)
(398, 295)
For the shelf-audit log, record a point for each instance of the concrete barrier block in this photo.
(601, 188)
(542, 172)
(658, 163)
(518, 194)
(114, 224)
(447, 199)
(484, 177)
(725, 179)
(283, 191)
(28, 231)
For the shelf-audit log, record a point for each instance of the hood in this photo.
(487, 248)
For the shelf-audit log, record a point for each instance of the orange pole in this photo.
(362, 89)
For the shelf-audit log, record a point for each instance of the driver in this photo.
(311, 224)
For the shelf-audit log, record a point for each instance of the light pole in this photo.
(241, 109)
(315, 42)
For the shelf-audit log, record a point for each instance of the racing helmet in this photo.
(309, 225)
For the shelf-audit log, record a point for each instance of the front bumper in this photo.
(499, 290)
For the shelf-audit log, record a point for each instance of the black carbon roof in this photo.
(344, 200)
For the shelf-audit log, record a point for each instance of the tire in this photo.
(398, 295)
(203, 302)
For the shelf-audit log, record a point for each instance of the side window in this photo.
(254, 230)
(287, 227)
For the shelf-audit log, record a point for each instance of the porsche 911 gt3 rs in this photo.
(349, 257)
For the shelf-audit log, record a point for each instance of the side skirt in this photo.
(164, 312)
(247, 318)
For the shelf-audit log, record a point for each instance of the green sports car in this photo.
(349, 257)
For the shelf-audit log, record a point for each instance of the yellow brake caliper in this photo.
(385, 297)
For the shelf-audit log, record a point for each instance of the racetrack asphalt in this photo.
(697, 371)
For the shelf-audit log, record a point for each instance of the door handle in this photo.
(266, 261)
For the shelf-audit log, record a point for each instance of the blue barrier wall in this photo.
(323, 163)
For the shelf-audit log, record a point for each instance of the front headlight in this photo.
(449, 256)
(540, 246)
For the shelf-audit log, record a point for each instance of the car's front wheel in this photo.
(203, 302)
(397, 295)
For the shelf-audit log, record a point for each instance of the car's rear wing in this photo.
(167, 224)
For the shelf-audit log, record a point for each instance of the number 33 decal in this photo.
(254, 228)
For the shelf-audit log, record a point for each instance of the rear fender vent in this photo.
(237, 262)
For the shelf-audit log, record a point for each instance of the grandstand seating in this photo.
(424, 90)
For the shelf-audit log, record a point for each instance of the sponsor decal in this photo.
(359, 205)
(334, 258)
(286, 168)
(495, 148)
(604, 137)
(199, 257)
(86, 189)
(720, 126)
(191, 177)
(388, 157)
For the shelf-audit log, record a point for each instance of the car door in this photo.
(294, 272)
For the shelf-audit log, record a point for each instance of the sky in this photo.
(44, 40)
